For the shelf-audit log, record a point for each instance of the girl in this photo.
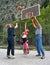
(25, 42)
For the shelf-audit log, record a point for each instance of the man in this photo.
(10, 39)
(38, 34)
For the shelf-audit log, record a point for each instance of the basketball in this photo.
(19, 7)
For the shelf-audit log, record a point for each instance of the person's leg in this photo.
(27, 46)
(24, 48)
(27, 50)
(37, 46)
(12, 47)
(24, 45)
(41, 47)
(8, 48)
(12, 50)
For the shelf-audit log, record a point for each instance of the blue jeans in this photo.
(39, 45)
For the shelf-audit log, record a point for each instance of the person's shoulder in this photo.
(40, 26)
(12, 27)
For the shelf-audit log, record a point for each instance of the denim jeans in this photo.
(39, 45)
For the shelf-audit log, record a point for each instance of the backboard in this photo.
(30, 11)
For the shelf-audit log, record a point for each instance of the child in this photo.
(10, 39)
(25, 42)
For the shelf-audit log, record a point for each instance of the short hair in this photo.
(8, 25)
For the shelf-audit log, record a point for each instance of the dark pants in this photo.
(10, 46)
(24, 40)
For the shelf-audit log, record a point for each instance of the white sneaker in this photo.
(8, 56)
(43, 57)
(12, 56)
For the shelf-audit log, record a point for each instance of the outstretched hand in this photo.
(16, 25)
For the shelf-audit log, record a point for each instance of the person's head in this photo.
(35, 22)
(27, 30)
(8, 25)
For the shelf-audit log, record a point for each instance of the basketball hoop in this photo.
(28, 15)
(30, 11)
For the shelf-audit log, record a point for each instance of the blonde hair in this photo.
(27, 30)
(8, 25)
(35, 21)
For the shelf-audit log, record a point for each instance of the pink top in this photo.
(25, 33)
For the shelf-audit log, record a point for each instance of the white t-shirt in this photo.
(24, 36)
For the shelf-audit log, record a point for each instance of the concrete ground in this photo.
(21, 59)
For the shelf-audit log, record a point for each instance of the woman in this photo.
(38, 34)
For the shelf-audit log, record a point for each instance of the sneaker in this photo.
(12, 56)
(8, 56)
(38, 55)
(43, 57)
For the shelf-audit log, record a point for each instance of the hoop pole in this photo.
(25, 26)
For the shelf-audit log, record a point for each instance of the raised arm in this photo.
(16, 26)
(35, 22)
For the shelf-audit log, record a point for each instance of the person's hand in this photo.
(33, 17)
(16, 25)
(27, 30)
